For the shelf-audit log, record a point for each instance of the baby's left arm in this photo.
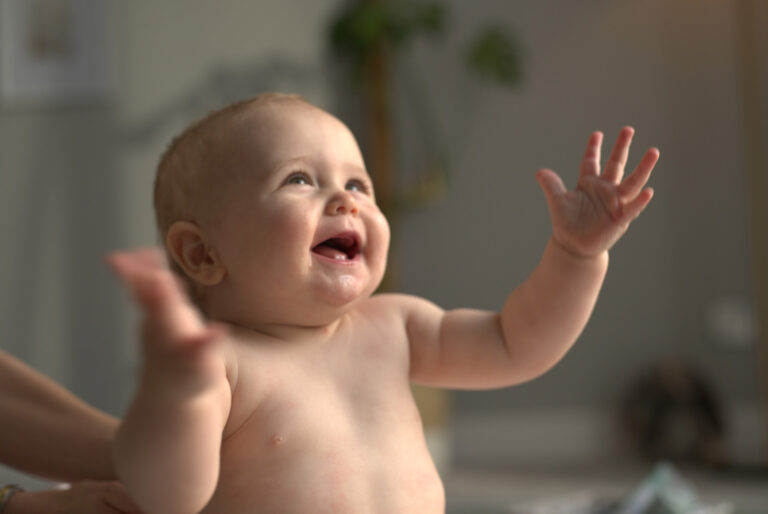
(542, 317)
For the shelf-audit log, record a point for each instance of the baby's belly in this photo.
(328, 465)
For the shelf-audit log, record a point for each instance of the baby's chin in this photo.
(344, 291)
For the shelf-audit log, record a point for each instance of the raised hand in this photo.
(176, 338)
(590, 219)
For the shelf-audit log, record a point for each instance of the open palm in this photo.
(177, 340)
(589, 219)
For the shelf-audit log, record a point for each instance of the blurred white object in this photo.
(665, 491)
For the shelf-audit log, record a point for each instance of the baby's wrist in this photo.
(176, 383)
(601, 258)
(171, 388)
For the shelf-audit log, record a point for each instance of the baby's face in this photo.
(296, 225)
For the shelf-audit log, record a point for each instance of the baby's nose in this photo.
(342, 203)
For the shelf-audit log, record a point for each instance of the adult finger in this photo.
(614, 168)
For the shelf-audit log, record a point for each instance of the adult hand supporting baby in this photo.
(590, 219)
(87, 497)
(49, 432)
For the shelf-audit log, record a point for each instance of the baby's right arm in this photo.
(167, 448)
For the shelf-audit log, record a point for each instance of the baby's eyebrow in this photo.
(283, 165)
(355, 168)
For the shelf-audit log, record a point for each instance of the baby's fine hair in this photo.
(195, 152)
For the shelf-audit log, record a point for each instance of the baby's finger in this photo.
(633, 209)
(135, 275)
(144, 258)
(590, 165)
(147, 284)
(119, 262)
(161, 296)
(550, 183)
(158, 289)
(126, 270)
(150, 257)
(614, 168)
(635, 182)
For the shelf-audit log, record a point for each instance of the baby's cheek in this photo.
(380, 238)
(295, 229)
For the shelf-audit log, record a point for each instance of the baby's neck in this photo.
(282, 320)
(290, 333)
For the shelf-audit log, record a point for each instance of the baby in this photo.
(280, 383)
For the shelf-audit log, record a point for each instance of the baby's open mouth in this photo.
(341, 247)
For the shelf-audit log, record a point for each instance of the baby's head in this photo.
(267, 211)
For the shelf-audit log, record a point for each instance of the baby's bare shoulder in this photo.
(405, 308)
(396, 304)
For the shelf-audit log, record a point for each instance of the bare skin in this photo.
(86, 497)
(296, 398)
(49, 432)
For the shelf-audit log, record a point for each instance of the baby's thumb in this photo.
(550, 183)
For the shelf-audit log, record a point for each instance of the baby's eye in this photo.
(357, 185)
(299, 178)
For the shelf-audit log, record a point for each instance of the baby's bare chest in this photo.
(329, 431)
(357, 391)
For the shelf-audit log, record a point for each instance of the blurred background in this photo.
(456, 105)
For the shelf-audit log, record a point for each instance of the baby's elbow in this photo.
(523, 369)
(539, 369)
(170, 495)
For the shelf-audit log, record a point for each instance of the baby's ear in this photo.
(188, 248)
